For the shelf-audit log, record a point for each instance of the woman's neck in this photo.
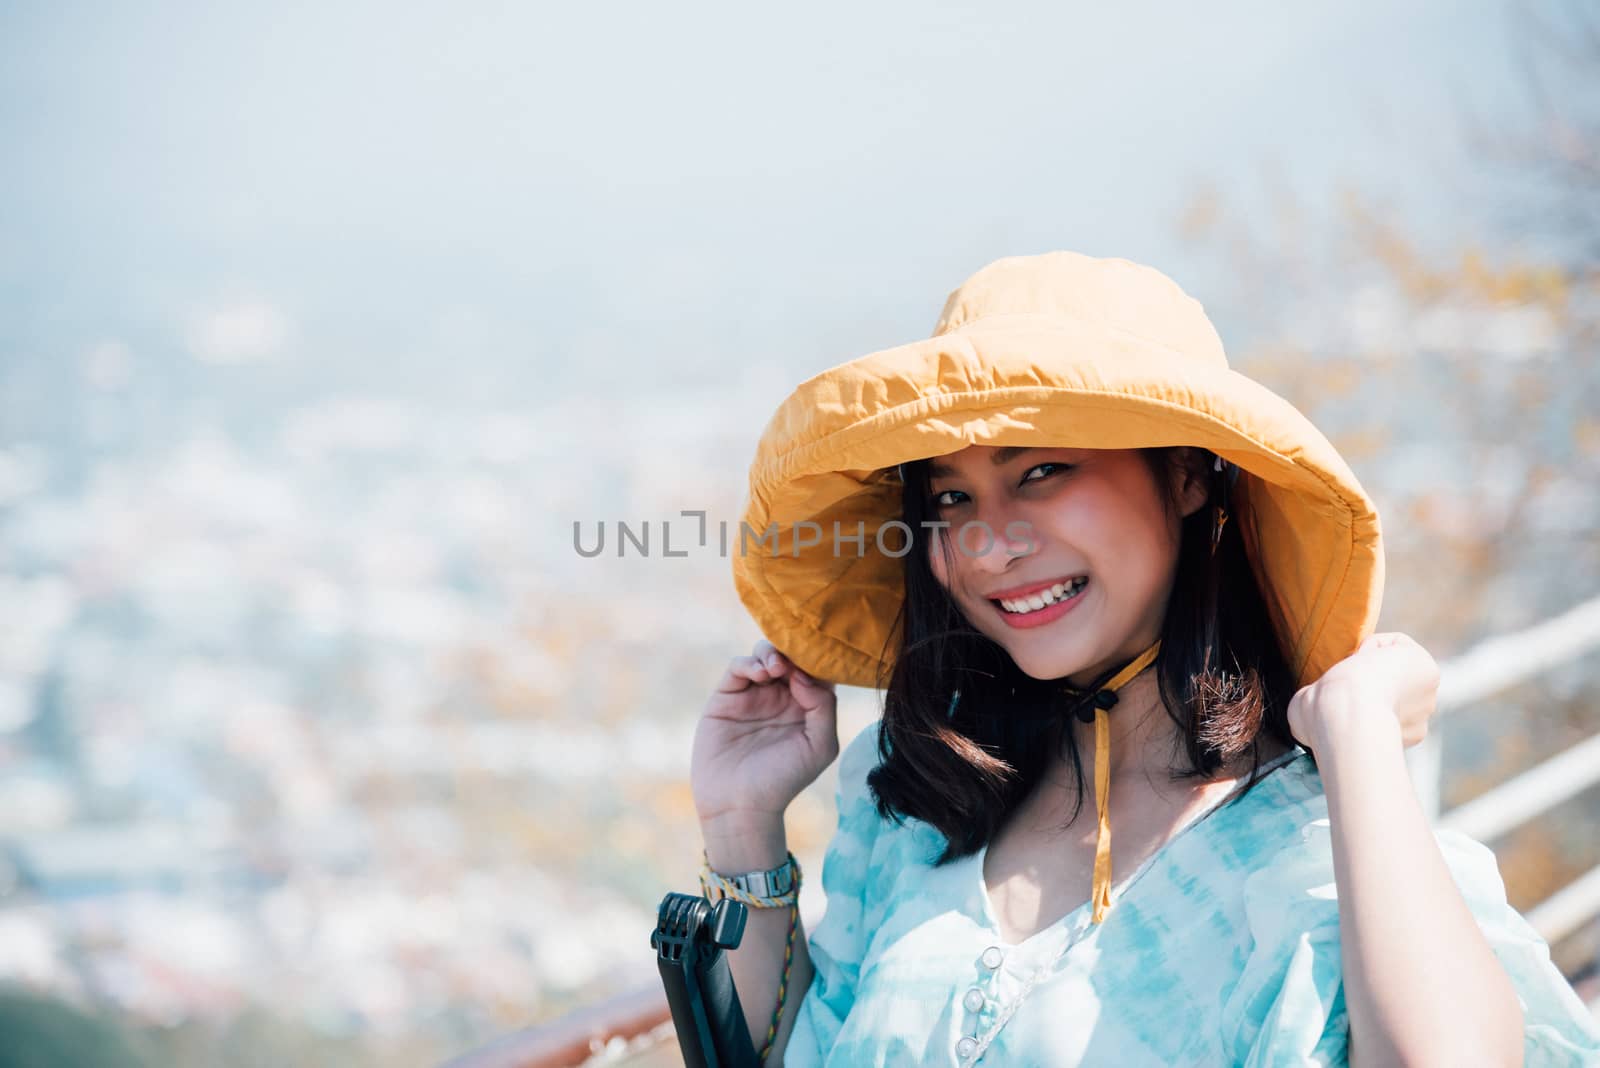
(1142, 734)
(1144, 738)
(1146, 748)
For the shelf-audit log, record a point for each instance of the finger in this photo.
(1393, 638)
(812, 681)
(733, 680)
(768, 654)
(749, 669)
(806, 688)
(822, 720)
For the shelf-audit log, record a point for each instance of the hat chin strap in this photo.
(1104, 696)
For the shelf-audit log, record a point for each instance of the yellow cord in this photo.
(1101, 896)
(1102, 794)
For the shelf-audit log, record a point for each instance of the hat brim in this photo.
(828, 454)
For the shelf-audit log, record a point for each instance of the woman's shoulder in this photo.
(860, 754)
(1281, 813)
(1289, 768)
(1292, 784)
(856, 803)
(856, 761)
(859, 816)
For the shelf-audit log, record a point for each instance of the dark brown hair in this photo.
(966, 734)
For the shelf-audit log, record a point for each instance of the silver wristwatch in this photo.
(774, 882)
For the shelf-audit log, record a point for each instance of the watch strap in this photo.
(770, 888)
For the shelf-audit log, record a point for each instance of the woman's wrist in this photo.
(738, 842)
(1345, 726)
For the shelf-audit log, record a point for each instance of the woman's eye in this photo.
(940, 499)
(1047, 468)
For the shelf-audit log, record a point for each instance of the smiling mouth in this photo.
(1037, 602)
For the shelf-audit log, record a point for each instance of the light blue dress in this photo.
(1221, 949)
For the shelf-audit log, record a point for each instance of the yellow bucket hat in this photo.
(1063, 350)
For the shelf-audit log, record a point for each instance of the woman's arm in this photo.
(757, 965)
(767, 732)
(1421, 985)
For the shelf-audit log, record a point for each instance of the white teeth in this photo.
(1061, 591)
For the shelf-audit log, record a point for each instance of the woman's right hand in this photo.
(768, 731)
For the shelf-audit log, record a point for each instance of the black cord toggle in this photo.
(1086, 704)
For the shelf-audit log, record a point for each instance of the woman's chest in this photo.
(943, 990)
(1036, 870)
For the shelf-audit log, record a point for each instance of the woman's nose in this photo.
(990, 546)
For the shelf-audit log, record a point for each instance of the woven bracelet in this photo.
(714, 881)
(783, 984)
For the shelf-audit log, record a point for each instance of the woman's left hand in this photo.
(1390, 684)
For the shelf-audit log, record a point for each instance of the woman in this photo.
(1113, 552)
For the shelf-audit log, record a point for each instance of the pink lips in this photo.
(1048, 614)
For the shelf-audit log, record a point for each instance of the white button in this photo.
(992, 957)
(965, 1047)
(974, 1000)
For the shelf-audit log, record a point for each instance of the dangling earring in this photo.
(1221, 518)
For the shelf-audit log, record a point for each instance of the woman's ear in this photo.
(1191, 474)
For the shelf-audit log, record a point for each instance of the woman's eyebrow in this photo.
(1003, 455)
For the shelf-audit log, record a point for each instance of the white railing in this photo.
(1492, 667)
(1533, 793)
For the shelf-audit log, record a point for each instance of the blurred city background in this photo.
(321, 326)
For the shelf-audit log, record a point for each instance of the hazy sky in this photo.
(427, 191)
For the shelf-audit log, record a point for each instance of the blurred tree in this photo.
(1463, 384)
(1556, 154)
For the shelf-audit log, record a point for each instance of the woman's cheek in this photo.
(1021, 538)
(936, 560)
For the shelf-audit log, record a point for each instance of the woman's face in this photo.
(1068, 555)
